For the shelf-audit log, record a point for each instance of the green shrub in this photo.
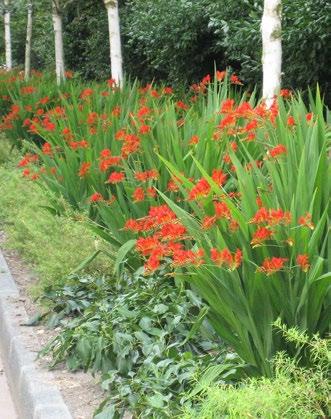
(294, 392)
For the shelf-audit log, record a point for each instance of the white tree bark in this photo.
(114, 41)
(58, 34)
(27, 69)
(9, 63)
(272, 49)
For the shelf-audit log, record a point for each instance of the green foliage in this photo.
(180, 40)
(292, 182)
(142, 334)
(234, 296)
(305, 37)
(169, 40)
(52, 245)
(161, 38)
(294, 392)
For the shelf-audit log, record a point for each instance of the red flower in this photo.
(188, 257)
(145, 245)
(278, 216)
(138, 195)
(47, 149)
(172, 231)
(28, 90)
(92, 118)
(44, 100)
(220, 75)
(222, 210)
(132, 225)
(208, 222)
(290, 121)
(181, 105)
(219, 177)
(84, 169)
(271, 216)
(86, 93)
(227, 106)
(272, 265)
(306, 221)
(261, 235)
(251, 125)
(235, 79)
(224, 257)
(303, 262)
(144, 129)
(285, 93)
(194, 140)
(131, 145)
(227, 121)
(111, 82)
(116, 177)
(161, 214)
(143, 111)
(168, 91)
(277, 151)
(309, 116)
(201, 189)
(151, 192)
(147, 175)
(75, 145)
(116, 111)
(96, 197)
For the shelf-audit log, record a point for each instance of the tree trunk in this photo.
(8, 48)
(27, 69)
(58, 34)
(114, 41)
(272, 49)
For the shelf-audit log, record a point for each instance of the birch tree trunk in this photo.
(114, 41)
(58, 34)
(272, 49)
(27, 69)
(8, 48)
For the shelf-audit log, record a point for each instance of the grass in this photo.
(52, 245)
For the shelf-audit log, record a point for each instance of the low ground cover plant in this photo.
(53, 246)
(145, 336)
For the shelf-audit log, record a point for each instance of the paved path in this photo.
(7, 410)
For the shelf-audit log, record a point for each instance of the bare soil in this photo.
(81, 391)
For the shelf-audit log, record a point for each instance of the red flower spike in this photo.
(84, 169)
(306, 221)
(138, 195)
(222, 210)
(219, 177)
(208, 222)
(303, 262)
(277, 151)
(261, 235)
(272, 265)
(96, 197)
(290, 121)
(116, 177)
(200, 190)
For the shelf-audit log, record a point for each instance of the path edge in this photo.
(33, 390)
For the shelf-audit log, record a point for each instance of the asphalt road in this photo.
(7, 410)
